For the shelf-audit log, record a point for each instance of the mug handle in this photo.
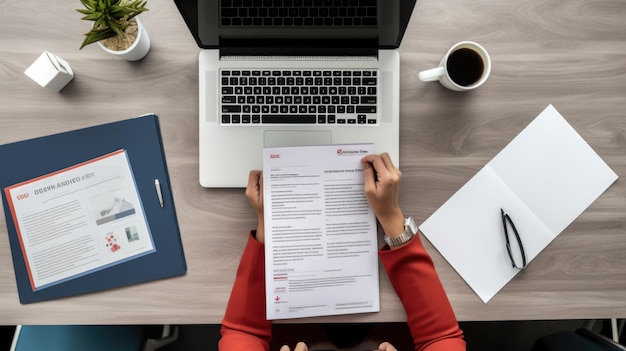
(431, 75)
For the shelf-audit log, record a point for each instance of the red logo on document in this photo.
(274, 155)
(339, 152)
(277, 298)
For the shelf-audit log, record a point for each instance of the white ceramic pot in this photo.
(138, 50)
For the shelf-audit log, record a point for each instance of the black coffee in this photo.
(465, 66)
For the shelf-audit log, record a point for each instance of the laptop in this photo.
(293, 73)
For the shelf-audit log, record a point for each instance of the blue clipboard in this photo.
(141, 138)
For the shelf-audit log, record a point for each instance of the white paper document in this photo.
(544, 179)
(78, 220)
(321, 248)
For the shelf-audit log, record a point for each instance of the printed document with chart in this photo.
(79, 220)
(321, 247)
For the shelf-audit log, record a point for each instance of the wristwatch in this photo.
(410, 229)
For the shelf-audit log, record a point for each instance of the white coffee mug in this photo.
(465, 66)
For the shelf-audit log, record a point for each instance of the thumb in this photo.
(301, 347)
(369, 179)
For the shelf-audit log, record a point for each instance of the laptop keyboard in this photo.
(297, 13)
(325, 97)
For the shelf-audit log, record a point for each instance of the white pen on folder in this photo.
(157, 185)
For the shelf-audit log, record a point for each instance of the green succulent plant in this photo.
(111, 17)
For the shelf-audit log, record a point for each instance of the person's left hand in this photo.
(254, 193)
(299, 347)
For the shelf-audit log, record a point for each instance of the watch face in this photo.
(387, 240)
(409, 225)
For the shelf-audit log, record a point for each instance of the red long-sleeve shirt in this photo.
(410, 269)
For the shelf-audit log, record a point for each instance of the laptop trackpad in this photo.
(273, 138)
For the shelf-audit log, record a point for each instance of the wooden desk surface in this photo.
(568, 53)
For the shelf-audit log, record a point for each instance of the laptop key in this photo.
(291, 119)
(229, 12)
(366, 109)
(231, 108)
(368, 99)
(368, 81)
(369, 21)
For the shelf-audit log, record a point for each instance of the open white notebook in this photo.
(545, 178)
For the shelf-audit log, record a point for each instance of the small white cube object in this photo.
(50, 71)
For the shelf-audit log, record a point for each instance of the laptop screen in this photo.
(304, 23)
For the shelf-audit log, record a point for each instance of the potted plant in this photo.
(116, 28)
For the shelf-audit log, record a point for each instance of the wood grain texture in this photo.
(568, 53)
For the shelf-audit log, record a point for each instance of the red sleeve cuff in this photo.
(244, 326)
(430, 316)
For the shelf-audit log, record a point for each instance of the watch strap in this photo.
(410, 229)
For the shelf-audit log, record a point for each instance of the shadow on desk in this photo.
(206, 337)
(480, 336)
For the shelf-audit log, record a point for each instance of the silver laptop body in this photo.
(229, 151)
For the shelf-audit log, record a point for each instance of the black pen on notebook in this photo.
(157, 186)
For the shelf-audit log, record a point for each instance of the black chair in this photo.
(580, 340)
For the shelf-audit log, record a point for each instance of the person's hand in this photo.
(299, 347)
(382, 189)
(254, 193)
(386, 347)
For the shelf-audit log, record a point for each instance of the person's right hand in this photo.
(254, 193)
(299, 347)
(382, 189)
(386, 347)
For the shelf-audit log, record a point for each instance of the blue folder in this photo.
(141, 138)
